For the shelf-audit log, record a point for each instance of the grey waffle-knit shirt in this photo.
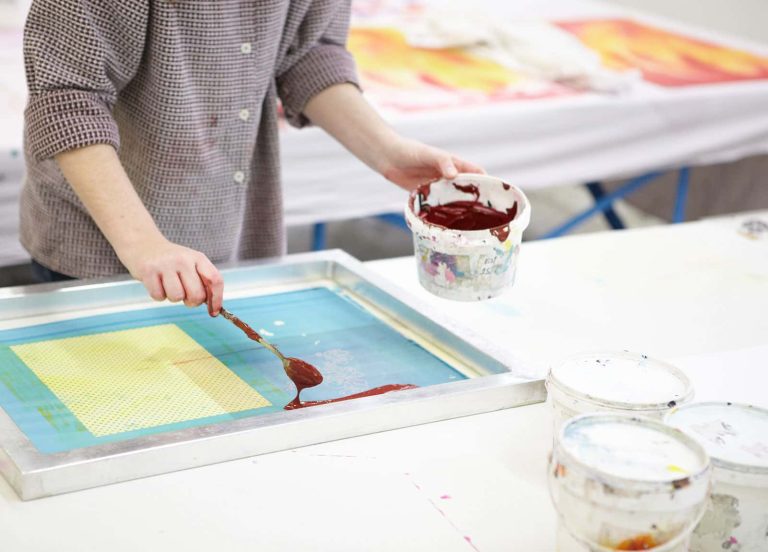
(186, 91)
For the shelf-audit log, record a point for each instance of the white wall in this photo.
(745, 18)
(13, 13)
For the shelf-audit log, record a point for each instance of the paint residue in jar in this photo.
(641, 542)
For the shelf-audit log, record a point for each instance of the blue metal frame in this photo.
(598, 192)
(603, 203)
(683, 179)
(319, 236)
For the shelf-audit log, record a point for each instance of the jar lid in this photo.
(631, 448)
(626, 380)
(734, 435)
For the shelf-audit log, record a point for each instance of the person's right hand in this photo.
(177, 273)
(168, 270)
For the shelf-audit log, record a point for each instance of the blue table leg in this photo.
(683, 179)
(613, 219)
(318, 236)
(603, 203)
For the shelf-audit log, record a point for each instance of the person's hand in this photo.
(410, 164)
(174, 272)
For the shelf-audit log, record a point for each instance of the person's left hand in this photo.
(410, 164)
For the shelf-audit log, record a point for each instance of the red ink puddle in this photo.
(468, 215)
(643, 542)
(297, 403)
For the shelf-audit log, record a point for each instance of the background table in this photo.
(551, 140)
(557, 138)
(693, 294)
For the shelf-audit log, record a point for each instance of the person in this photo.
(151, 133)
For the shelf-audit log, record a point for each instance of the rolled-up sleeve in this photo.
(78, 55)
(317, 60)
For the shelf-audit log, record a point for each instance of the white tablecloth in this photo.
(534, 143)
(692, 294)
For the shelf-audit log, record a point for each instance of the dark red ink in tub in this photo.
(468, 215)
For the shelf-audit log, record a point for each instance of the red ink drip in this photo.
(501, 233)
(297, 403)
(250, 332)
(303, 375)
(468, 189)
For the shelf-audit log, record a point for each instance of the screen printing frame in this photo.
(500, 380)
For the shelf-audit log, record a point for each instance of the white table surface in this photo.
(694, 294)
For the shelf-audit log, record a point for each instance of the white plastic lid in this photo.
(734, 435)
(623, 379)
(631, 448)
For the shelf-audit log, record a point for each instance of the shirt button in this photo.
(239, 177)
(244, 114)
(245, 47)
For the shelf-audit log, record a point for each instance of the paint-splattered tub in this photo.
(468, 265)
(620, 482)
(736, 438)
(615, 381)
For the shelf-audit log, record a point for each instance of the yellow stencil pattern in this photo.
(133, 379)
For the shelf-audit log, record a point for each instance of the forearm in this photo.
(343, 113)
(166, 269)
(99, 180)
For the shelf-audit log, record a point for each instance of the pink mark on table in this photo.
(442, 512)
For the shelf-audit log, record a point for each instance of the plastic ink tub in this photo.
(621, 482)
(615, 382)
(467, 264)
(736, 438)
